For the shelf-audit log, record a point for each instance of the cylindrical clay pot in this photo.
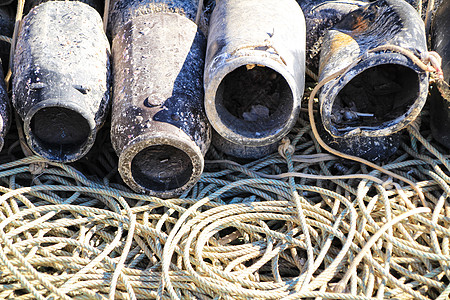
(362, 111)
(254, 71)
(61, 79)
(440, 95)
(159, 129)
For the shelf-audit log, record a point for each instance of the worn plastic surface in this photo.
(385, 91)
(159, 128)
(254, 72)
(440, 95)
(61, 79)
(122, 11)
(97, 4)
(5, 109)
(321, 15)
(7, 14)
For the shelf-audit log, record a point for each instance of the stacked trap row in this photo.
(167, 82)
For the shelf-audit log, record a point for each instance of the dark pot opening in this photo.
(254, 101)
(60, 130)
(161, 168)
(375, 97)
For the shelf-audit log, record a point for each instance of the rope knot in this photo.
(434, 62)
(433, 58)
(37, 168)
(285, 148)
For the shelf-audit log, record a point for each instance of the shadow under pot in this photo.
(241, 151)
(382, 91)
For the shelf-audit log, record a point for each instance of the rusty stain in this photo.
(250, 66)
(360, 25)
(340, 40)
(266, 45)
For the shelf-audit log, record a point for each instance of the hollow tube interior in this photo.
(161, 168)
(59, 130)
(254, 101)
(377, 95)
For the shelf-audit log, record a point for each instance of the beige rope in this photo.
(342, 284)
(199, 12)
(19, 14)
(195, 240)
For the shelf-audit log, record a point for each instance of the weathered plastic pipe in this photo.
(159, 129)
(122, 11)
(321, 15)
(440, 94)
(61, 79)
(97, 4)
(6, 27)
(7, 19)
(254, 71)
(384, 91)
(5, 110)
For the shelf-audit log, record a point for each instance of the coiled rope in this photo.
(238, 234)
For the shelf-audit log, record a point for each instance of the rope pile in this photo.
(254, 230)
